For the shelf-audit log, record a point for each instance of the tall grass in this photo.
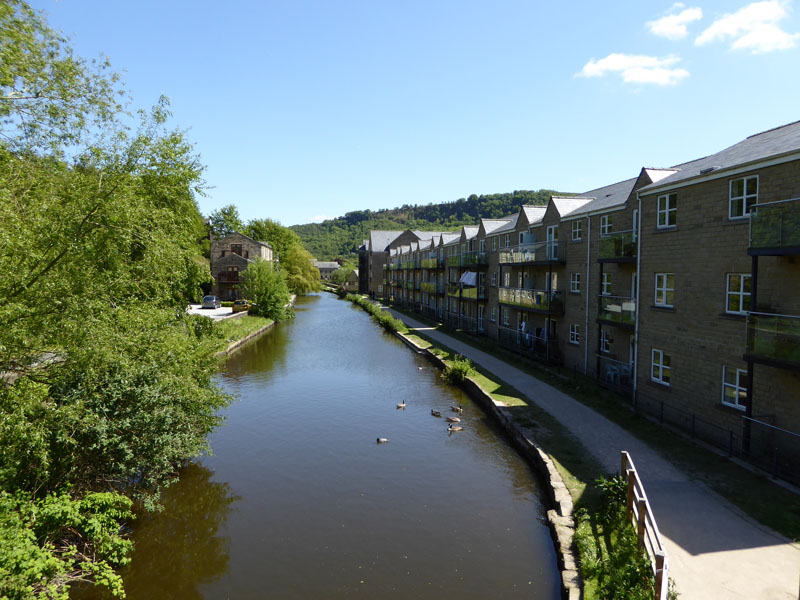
(382, 317)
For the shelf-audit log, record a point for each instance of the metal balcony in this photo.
(775, 228)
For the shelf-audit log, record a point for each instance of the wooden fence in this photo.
(640, 513)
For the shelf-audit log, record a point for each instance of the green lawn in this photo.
(238, 328)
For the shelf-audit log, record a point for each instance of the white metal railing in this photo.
(639, 512)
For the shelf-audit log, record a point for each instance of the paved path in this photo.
(715, 552)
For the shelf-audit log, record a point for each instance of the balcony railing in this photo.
(538, 345)
(540, 300)
(440, 288)
(617, 309)
(540, 252)
(619, 246)
(474, 293)
(774, 339)
(453, 289)
(469, 259)
(428, 286)
(429, 263)
(615, 374)
(775, 226)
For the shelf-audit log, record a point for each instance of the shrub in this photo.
(458, 370)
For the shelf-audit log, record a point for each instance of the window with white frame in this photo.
(508, 240)
(737, 298)
(667, 211)
(575, 283)
(605, 341)
(660, 367)
(493, 315)
(743, 194)
(606, 224)
(505, 317)
(734, 387)
(665, 289)
(494, 243)
(507, 279)
(574, 333)
(605, 286)
(494, 280)
(577, 231)
(482, 246)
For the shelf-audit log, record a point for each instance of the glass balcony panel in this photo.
(618, 309)
(775, 224)
(542, 252)
(618, 246)
(774, 338)
(543, 300)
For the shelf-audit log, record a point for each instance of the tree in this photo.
(226, 221)
(302, 276)
(341, 275)
(280, 238)
(265, 286)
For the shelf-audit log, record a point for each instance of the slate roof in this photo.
(448, 237)
(491, 225)
(326, 265)
(534, 213)
(470, 231)
(380, 238)
(510, 225)
(761, 146)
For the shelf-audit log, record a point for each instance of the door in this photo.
(480, 317)
(552, 242)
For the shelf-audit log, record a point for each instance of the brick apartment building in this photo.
(679, 288)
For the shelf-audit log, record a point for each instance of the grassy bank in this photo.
(232, 330)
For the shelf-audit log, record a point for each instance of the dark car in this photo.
(211, 302)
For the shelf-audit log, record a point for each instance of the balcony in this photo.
(543, 301)
(429, 263)
(615, 374)
(775, 228)
(540, 252)
(453, 289)
(773, 340)
(474, 293)
(618, 247)
(617, 310)
(228, 277)
(428, 286)
(538, 345)
(469, 259)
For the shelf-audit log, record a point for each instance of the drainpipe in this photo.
(588, 291)
(638, 299)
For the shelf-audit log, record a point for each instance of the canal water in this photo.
(299, 501)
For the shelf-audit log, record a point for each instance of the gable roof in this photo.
(533, 213)
(380, 238)
(510, 225)
(773, 143)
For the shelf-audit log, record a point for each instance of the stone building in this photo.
(230, 257)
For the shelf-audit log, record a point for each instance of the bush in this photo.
(383, 318)
(458, 370)
(226, 304)
(266, 288)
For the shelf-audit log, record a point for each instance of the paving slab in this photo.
(715, 551)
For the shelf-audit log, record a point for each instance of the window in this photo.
(482, 246)
(506, 279)
(737, 299)
(577, 231)
(493, 315)
(635, 224)
(660, 367)
(494, 279)
(574, 333)
(494, 244)
(606, 285)
(521, 238)
(734, 387)
(605, 341)
(606, 224)
(505, 317)
(665, 289)
(508, 240)
(236, 249)
(667, 211)
(575, 283)
(744, 193)
(222, 254)
(233, 273)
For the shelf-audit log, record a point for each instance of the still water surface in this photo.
(300, 502)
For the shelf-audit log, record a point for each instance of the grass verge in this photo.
(239, 328)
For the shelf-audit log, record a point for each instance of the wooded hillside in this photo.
(342, 236)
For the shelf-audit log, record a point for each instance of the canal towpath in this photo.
(715, 551)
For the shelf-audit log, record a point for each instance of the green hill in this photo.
(343, 235)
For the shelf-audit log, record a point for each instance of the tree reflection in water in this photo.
(178, 549)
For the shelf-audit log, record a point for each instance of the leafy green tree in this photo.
(302, 276)
(265, 286)
(226, 221)
(280, 238)
(341, 275)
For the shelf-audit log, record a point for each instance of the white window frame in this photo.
(605, 286)
(574, 334)
(508, 240)
(577, 231)
(739, 295)
(745, 201)
(605, 342)
(575, 283)
(482, 246)
(606, 224)
(505, 317)
(493, 315)
(507, 279)
(667, 211)
(660, 372)
(738, 387)
(494, 243)
(493, 282)
(663, 290)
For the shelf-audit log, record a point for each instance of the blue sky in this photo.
(307, 109)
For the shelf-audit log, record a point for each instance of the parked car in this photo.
(211, 302)
(240, 305)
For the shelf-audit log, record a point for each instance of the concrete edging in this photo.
(559, 518)
(239, 343)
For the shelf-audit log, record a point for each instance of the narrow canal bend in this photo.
(300, 502)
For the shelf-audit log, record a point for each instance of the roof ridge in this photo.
(773, 129)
